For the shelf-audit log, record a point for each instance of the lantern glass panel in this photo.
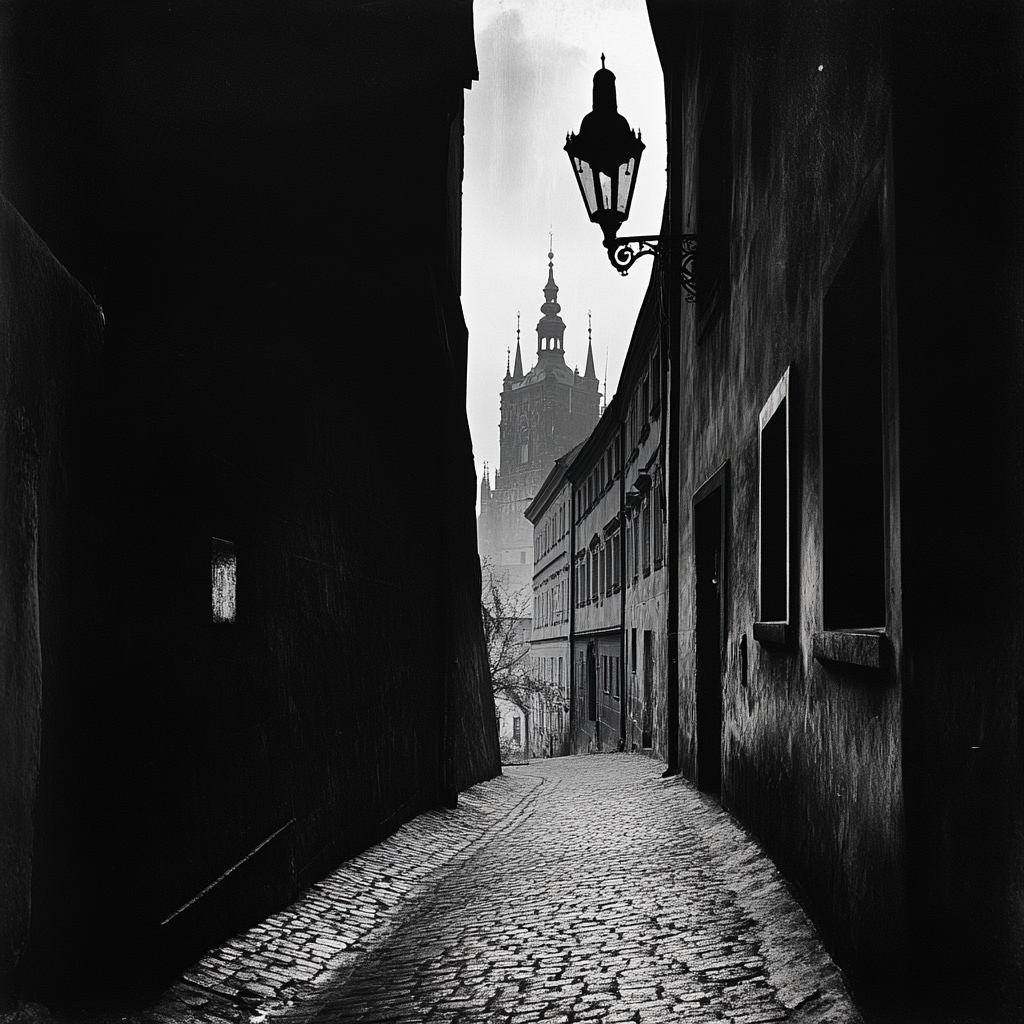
(606, 192)
(585, 176)
(625, 185)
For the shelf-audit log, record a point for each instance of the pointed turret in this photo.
(508, 372)
(485, 486)
(517, 374)
(590, 373)
(550, 327)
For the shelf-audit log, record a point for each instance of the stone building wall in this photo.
(823, 183)
(268, 381)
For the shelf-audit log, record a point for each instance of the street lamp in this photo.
(605, 158)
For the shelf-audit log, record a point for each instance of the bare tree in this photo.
(507, 619)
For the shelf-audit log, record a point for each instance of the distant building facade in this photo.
(597, 702)
(644, 485)
(544, 413)
(550, 513)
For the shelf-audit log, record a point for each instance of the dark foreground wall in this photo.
(958, 102)
(50, 334)
(266, 204)
(852, 175)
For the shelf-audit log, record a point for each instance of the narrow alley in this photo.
(573, 889)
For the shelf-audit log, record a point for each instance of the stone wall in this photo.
(50, 335)
(887, 792)
(283, 319)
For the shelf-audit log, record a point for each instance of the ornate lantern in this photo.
(605, 158)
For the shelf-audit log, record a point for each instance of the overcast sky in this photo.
(537, 61)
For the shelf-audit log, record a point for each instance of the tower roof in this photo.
(550, 327)
(590, 372)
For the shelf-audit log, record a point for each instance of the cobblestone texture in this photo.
(576, 889)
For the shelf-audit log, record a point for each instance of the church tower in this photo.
(544, 414)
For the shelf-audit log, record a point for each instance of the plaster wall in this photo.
(811, 753)
(50, 337)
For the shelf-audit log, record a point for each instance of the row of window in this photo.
(598, 571)
(547, 534)
(550, 670)
(603, 673)
(551, 605)
(601, 478)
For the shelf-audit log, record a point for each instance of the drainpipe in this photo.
(572, 615)
(623, 674)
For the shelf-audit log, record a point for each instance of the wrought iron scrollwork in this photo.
(624, 252)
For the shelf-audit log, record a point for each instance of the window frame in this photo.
(775, 630)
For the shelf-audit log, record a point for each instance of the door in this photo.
(709, 569)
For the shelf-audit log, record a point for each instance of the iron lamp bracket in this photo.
(624, 252)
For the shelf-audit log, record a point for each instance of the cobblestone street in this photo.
(574, 889)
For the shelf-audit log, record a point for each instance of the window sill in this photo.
(864, 647)
(780, 633)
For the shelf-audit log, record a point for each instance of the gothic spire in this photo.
(550, 327)
(517, 374)
(590, 372)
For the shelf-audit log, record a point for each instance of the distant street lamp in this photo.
(605, 158)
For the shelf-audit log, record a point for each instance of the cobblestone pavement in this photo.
(575, 889)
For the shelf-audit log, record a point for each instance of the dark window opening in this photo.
(853, 506)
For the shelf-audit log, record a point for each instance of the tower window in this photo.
(223, 577)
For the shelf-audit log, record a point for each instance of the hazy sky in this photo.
(537, 61)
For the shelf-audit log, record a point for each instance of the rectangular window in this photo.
(636, 548)
(617, 677)
(659, 524)
(561, 683)
(516, 733)
(524, 453)
(853, 496)
(604, 673)
(773, 506)
(633, 650)
(647, 535)
(224, 578)
(629, 550)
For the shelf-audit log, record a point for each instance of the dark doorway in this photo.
(591, 683)
(709, 558)
(648, 722)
